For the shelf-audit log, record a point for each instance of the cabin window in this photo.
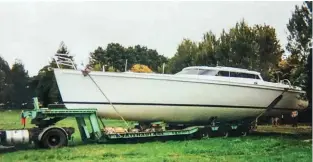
(208, 72)
(189, 71)
(195, 71)
(244, 75)
(198, 72)
(223, 73)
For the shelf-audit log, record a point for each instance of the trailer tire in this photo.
(224, 131)
(244, 134)
(244, 130)
(54, 138)
(225, 134)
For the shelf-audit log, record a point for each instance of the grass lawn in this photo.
(282, 143)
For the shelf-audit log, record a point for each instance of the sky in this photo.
(32, 31)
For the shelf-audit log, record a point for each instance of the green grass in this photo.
(259, 147)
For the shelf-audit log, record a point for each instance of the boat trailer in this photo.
(47, 135)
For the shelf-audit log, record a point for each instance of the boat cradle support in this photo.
(242, 127)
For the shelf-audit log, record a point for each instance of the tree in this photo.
(185, 56)
(143, 55)
(47, 89)
(223, 49)
(299, 42)
(20, 79)
(14, 88)
(206, 54)
(97, 58)
(253, 48)
(65, 56)
(97, 67)
(243, 46)
(300, 31)
(269, 51)
(5, 83)
(309, 76)
(114, 56)
(300, 48)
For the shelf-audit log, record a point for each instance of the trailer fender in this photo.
(49, 128)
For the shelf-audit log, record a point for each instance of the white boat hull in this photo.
(149, 98)
(171, 114)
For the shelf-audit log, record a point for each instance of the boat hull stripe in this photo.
(162, 104)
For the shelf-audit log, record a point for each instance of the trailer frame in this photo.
(47, 135)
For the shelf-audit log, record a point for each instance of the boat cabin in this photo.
(221, 71)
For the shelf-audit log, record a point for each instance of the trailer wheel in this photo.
(54, 138)
(202, 135)
(244, 133)
(225, 134)
(244, 130)
(224, 131)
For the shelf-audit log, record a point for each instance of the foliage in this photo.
(243, 52)
(111, 69)
(254, 48)
(21, 90)
(184, 56)
(299, 42)
(300, 32)
(46, 87)
(97, 67)
(269, 52)
(114, 56)
(5, 83)
(297, 67)
(308, 68)
(138, 68)
(206, 50)
(14, 88)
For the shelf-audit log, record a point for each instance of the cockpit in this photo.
(223, 72)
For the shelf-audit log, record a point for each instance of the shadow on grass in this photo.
(81, 143)
(8, 149)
